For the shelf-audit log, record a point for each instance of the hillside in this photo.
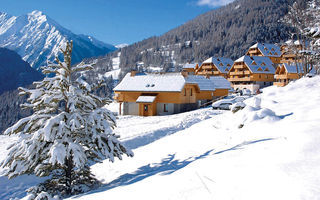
(14, 72)
(37, 38)
(204, 155)
(227, 31)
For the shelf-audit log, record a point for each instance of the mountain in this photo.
(36, 38)
(227, 31)
(14, 72)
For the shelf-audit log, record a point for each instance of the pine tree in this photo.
(67, 131)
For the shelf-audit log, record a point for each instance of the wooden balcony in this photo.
(239, 79)
(238, 66)
(240, 73)
(282, 76)
(237, 73)
(206, 67)
(279, 84)
(118, 97)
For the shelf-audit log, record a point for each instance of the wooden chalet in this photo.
(190, 68)
(215, 66)
(251, 72)
(271, 51)
(163, 94)
(288, 54)
(286, 73)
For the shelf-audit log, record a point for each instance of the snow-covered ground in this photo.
(204, 154)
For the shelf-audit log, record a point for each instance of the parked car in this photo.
(222, 104)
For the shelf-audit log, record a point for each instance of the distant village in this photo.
(169, 93)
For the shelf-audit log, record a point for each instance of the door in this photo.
(146, 109)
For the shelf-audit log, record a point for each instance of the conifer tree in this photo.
(67, 131)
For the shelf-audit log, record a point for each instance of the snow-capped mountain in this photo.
(37, 38)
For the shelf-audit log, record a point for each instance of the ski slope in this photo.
(204, 154)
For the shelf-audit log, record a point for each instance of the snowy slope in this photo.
(204, 155)
(274, 156)
(37, 38)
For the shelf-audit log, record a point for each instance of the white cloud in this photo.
(213, 3)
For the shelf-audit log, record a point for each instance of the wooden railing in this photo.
(240, 79)
(279, 84)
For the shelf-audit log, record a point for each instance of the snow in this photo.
(270, 50)
(146, 99)
(36, 38)
(190, 66)
(254, 63)
(119, 46)
(164, 82)
(204, 154)
(293, 68)
(222, 64)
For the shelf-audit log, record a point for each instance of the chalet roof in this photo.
(292, 68)
(296, 42)
(190, 66)
(270, 50)
(258, 64)
(146, 99)
(222, 64)
(169, 82)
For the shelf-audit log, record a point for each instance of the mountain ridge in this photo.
(225, 32)
(37, 38)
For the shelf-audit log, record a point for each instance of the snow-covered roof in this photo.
(169, 82)
(292, 68)
(222, 64)
(146, 99)
(190, 66)
(297, 42)
(270, 50)
(258, 64)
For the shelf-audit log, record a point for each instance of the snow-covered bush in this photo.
(67, 131)
(253, 112)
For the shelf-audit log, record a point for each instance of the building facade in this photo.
(169, 93)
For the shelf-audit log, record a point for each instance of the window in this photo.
(145, 107)
(165, 107)
(185, 92)
(190, 91)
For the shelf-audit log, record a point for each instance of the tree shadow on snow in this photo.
(284, 116)
(241, 145)
(167, 166)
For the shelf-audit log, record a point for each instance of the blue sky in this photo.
(115, 21)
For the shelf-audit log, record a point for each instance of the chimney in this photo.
(133, 72)
(184, 74)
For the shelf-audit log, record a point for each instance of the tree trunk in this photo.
(68, 174)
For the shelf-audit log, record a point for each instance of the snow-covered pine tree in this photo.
(67, 131)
